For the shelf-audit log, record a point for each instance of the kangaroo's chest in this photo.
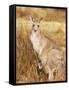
(36, 42)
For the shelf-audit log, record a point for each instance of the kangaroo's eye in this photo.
(33, 25)
(38, 25)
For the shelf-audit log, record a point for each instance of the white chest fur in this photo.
(35, 41)
(38, 42)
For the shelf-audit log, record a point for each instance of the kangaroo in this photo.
(49, 53)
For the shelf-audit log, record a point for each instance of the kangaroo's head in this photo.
(36, 24)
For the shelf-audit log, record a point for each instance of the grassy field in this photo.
(53, 26)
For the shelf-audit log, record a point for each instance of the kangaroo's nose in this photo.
(35, 30)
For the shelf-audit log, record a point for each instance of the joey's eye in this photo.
(38, 25)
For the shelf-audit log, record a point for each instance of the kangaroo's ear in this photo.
(41, 19)
(32, 19)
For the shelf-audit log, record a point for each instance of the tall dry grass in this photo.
(26, 68)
